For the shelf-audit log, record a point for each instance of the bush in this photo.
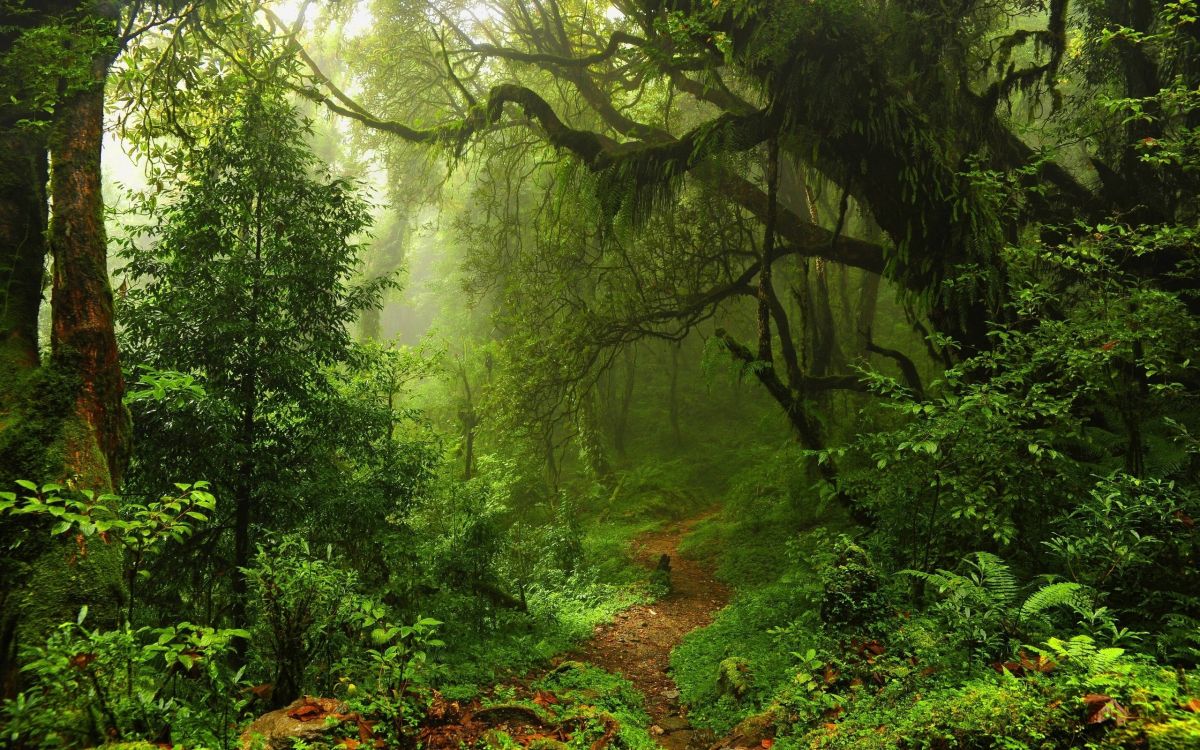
(171, 684)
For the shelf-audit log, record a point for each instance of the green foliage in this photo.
(242, 292)
(301, 606)
(1132, 537)
(982, 609)
(395, 676)
(44, 64)
(88, 686)
(142, 530)
(851, 596)
(599, 702)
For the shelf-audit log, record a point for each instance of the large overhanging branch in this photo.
(660, 154)
(616, 41)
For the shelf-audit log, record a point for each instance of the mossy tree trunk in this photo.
(65, 421)
(84, 338)
(23, 215)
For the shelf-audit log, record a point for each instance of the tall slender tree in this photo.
(248, 284)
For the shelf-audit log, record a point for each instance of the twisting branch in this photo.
(616, 41)
(458, 84)
(908, 369)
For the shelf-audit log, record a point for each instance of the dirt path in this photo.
(638, 643)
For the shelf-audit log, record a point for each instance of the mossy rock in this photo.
(281, 730)
(546, 743)
(497, 738)
(509, 713)
(754, 729)
(569, 665)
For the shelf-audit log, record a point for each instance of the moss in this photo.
(16, 370)
(1177, 734)
(52, 577)
(30, 441)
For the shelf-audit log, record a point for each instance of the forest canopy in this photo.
(572, 374)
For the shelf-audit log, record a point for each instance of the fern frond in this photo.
(1104, 659)
(1051, 596)
(996, 577)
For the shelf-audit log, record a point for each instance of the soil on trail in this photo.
(639, 641)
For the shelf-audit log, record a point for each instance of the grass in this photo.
(565, 609)
(765, 544)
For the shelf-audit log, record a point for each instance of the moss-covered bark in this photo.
(63, 421)
(23, 210)
(84, 337)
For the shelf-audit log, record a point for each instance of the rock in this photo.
(303, 720)
(685, 740)
(674, 724)
(656, 730)
(754, 729)
(570, 665)
(546, 743)
(508, 713)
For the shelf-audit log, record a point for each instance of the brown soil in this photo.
(638, 643)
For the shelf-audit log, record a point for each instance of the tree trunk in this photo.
(68, 422)
(673, 395)
(621, 420)
(23, 217)
(83, 339)
(244, 490)
(867, 303)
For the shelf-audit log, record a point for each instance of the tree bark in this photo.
(83, 339)
(67, 423)
(23, 216)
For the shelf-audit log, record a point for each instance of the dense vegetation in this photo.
(429, 314)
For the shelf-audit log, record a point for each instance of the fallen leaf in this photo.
(1038, 664)
(1101, 708)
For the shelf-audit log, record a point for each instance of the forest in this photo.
(599, 374)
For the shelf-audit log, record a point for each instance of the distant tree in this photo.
(248, 284)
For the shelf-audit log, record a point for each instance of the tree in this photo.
(248, 285)
(61, 418)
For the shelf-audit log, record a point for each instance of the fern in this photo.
(1105, 659)
(1051, 596)
(996, 578)
(1081, 652)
